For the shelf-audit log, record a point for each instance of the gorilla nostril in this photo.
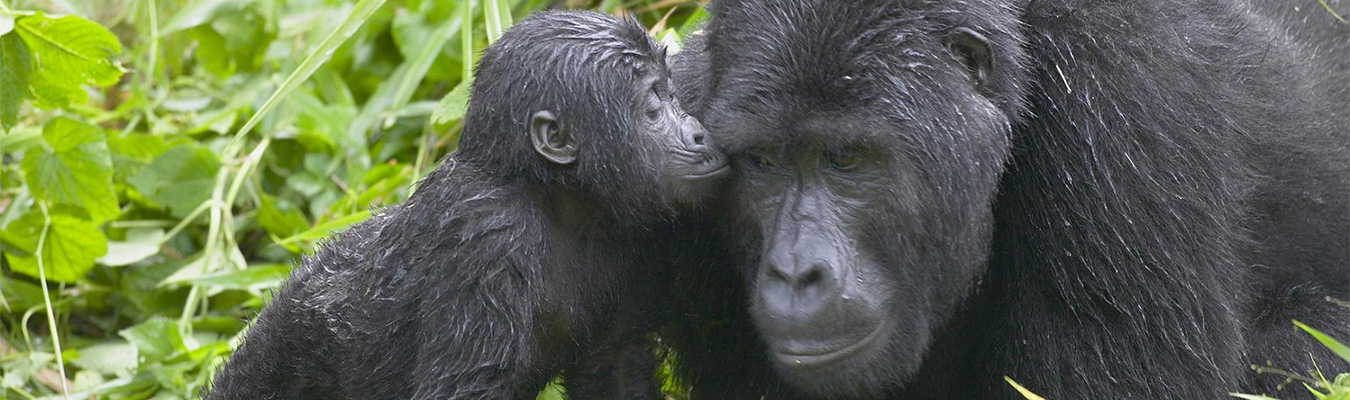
(812, 277)
(698, 138)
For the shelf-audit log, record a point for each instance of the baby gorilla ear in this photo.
(551, 140)
(972, 49)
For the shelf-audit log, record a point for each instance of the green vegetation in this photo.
(165, 163)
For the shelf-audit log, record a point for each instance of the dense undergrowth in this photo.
(165, 163)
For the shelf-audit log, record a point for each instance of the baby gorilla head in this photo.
(582, 100)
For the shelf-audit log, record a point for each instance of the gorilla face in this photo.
(864, 183)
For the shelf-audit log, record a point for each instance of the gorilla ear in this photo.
(551, 140)
(973, 50)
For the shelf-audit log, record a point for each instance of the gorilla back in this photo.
(538, 247)
(1100, 199)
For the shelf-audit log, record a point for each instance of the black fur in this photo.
(1132, 205)
(502, 268)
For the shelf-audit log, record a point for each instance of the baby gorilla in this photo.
(542, 245)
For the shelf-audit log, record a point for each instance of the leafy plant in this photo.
(163, 164)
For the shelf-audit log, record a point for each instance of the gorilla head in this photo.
(869, 143)
(575, 83)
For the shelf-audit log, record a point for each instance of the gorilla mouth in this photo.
(810, 357)
(714, 170)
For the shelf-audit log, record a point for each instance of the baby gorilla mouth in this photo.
(703, 165)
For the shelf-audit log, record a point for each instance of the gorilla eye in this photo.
(764, 160)
(845, 162)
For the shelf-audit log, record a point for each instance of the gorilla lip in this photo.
(721, 169)
(808, 358)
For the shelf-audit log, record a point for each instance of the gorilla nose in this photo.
(798, 288)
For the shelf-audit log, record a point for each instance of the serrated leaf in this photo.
(141, 243)
(16, 66)
(72, 48)
(180, 179)
(76, 171)
(454, 104)
(68, 252)
(1331, 343)
(251, 278)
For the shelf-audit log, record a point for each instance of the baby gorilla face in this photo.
(690, 167)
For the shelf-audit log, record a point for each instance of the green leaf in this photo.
(16, 65)
(1025, 393)
(68, 252)
(1250, 396)
(141, 243)
(454, 104)
(70, 51)
(252, 278)
(155, 340)
(76, 171)
(324, 229)
(1331, 343)
(111, 357)
(180, 179)
(280, 219)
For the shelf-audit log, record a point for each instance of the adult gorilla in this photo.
(1100, 199)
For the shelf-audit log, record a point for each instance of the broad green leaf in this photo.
(252, 278)
(68, 252)
(111, 357)
(1025, 393)
(180, 179)
(1331, 343)
(16, 65)
(454, 104)
(155, 340)
(280, 219)
(76, 171)
(141, 243)
(70, 51)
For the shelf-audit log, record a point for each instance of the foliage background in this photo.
(166, 163)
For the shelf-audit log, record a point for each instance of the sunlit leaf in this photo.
(139, 245)
(70, 51)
